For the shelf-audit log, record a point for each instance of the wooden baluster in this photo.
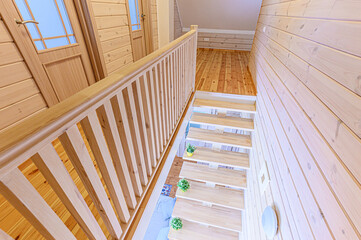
(174, 82)
(194, 50)
(94, 135)
(139, 129)
(177, 65)
(184, 76)
(78, 154)
(158, 95)
(180, 80)
(50, 165)
(168, 97)
(5, 236)
(146, 124)
(155, 101)
(129, 137)
(129, 156)
(161, 91)
(146, 90)
(110, 130)
(23, 196)
(170, 83)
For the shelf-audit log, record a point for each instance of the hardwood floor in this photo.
(224, 71)
(173, 175)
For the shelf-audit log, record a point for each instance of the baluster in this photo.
(23, 196)
(155, 101)
(139, 130)
(168, 100)
(163, 100)
(110, 130)
(151, 112)
(147, 124)
(50, 165)
(94, 135)
(78, 154)
(170, 83)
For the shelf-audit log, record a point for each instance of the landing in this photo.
(224, 71)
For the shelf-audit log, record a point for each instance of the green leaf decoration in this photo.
(191, 148)
(176, 223)
(183, 185)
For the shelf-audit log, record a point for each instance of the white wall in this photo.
(165, 21)
(220, 14)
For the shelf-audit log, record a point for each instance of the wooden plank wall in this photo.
(154, 24)
(19, 95)
(113, 29)
(225, 41)
(306, 62)
(178, 28)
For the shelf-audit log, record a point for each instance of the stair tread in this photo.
(214, 216)
(222, 157)
(218, 195)
(196, 231)
(220, 176)
(224, 105)
(225, 138)
(223, 121)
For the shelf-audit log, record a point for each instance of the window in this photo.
(134, 14)
(54, 28)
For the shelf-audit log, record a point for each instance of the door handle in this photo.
(25, 22)
(143, 16)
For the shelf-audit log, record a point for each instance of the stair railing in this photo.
(120, 127)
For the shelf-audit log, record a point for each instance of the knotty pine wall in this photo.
(20, 97)
(225, 41)
(154, 24)
(306, 62)
(178, 28)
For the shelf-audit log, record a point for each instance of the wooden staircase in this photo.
(212, 207)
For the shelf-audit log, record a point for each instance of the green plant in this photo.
(183, 185)
(191, 148)
(176, 223)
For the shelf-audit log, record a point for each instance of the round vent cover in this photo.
(269, 222)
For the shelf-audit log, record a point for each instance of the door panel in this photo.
(59, 44)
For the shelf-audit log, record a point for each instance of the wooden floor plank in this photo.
(214, 216)
(224, 71)
(218, 195)
(219, 176)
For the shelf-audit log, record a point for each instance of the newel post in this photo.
(195, 38)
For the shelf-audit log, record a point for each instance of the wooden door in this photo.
(136, 27)
(58, 42)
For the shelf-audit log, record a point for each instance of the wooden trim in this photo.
(27, 49)
(148, 26)
(149, 189)
(91, 37)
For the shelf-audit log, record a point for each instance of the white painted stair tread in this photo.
(218, 195)
(225, 218)
(225, 138)
(196, 231)
(223, 121)
(220, 176)
(222, 157)
(224, 105)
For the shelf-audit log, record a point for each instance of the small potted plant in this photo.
(176, 223)
(183, 185)
(190, 150)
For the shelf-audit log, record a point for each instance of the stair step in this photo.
(223, 121)
(218, 195)
(222, 157)
(224, 138)
(196, 231)
(220, 176)
(225, 218)
(224, 105)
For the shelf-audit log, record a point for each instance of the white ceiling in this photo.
(220, 14)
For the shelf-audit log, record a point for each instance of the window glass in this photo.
(54, 28)
(134, 14)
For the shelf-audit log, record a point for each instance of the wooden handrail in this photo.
(16, 141)
(123, 123)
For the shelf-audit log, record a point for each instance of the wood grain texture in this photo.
(224, 71)
(309, 110)
(241, 42)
